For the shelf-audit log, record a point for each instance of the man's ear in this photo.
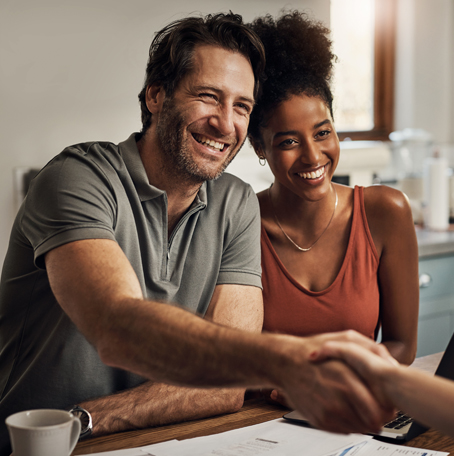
(154, 98)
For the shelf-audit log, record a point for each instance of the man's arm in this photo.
(155, 404)
(96, 286)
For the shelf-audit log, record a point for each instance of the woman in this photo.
(333, 257)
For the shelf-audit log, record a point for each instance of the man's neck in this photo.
(180, 192)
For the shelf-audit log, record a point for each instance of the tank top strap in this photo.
(361, 218)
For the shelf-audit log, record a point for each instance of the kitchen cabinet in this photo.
(436, 291)
(436, 303)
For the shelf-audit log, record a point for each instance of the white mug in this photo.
(43, 432)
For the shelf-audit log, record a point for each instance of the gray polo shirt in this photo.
(101, 191)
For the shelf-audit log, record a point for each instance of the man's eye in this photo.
(209, 97)
(244, 107)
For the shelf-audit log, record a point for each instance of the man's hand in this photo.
(330, 394)
(372, 363)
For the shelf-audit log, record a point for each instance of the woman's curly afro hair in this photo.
(299, 60)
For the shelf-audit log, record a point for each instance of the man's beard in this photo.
(178, 159)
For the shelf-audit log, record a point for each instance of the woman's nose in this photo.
(312, 153)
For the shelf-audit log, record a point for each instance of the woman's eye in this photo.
(323, 133)
(287, 142)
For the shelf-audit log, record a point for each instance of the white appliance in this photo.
(360, 161)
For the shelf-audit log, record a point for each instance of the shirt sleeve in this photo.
(70, 199)
(241, 257)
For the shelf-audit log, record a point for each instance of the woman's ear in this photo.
(257, 147)
(154, 98)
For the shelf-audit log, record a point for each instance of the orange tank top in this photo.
(350, 302)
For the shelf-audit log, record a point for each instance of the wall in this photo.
(425, 67)
(71, 71)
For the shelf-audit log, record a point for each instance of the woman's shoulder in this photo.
(388, 214)
(386, 201)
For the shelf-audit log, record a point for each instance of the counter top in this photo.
(428, 363)
(432, 243)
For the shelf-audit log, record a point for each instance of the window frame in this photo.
(384, 74)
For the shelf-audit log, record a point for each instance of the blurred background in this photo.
(71, 71)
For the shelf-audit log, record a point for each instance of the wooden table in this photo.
(254, 411)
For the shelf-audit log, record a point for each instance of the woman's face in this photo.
(301, 146)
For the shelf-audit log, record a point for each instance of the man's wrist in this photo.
(86, 422)
(282, 356)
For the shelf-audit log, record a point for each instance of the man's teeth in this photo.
(209, 142)
(312, 174)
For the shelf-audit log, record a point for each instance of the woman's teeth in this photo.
(209, 142)
(313, 174)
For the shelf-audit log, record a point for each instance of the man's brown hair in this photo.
(171, 51)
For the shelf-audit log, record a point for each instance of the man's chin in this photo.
(225, 165)
(201, 176)
(208, 173)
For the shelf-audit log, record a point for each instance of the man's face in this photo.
(203, 125)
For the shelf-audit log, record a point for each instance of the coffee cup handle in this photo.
(75, 434)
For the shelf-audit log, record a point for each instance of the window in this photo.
(363, 33)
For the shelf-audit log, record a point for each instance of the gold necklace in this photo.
(287, 236)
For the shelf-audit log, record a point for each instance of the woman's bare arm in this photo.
(391, 225)
(428, 399)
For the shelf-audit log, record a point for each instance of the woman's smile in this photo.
(301, 144)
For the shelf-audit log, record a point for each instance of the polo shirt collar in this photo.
(131, 156)
(201, 199)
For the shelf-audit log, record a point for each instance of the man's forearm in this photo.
(155, 404)
(166, 344)
(204, 354)
(170, 345)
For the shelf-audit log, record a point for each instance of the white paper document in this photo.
(377, 448)
(275, 438)
(139, 451)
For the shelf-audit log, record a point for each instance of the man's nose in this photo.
(223, 120)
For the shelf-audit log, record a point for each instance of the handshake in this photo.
(355, 385)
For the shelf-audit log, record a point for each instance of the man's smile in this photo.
(218, 146)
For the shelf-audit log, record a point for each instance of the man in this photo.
(109, 236)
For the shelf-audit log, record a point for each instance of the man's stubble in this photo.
(178, 160)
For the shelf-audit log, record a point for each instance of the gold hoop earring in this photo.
(262, 161)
